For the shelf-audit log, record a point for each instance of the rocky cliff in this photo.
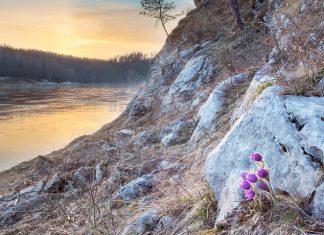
(171, 163)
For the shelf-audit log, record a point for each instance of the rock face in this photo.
(167, 222)
(146, 138)
(136, 188)
(83, 176)
(195, 74)
(32, 190)
(144, 223)
(317, 206)
(210, 111)
(178, 133)
(100, 172)
(281, 129)
(13, 212)
(140, 107)
(54, 185)
(125, 132)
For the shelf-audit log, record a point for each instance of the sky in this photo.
(86, 28)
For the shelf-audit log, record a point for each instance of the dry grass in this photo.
(301, 55)
(305, 86)
(231, 99)
(287, 216)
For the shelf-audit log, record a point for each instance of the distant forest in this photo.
(33, 65)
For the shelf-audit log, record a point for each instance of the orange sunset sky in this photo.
(86, 28)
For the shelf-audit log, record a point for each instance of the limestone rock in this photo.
(13, 213)
(83, 176)
(180, 133)
(33, 190)
(167, 222)
(267, 128)
(320, 86)
(260, 77)
(136, 188)
(145, 222)
(210, 111)
(125, 132)
(146, 200)
(147, 138)
(140, 107)
(193, 76)
(317, 206)
(185, 80)
(100, 172)
(189, 52)
(54, 185)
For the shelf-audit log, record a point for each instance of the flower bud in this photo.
(263, 173)
(252, 178)
(245, 185)
(249, 195)
(243, 175)
(256, 156)
(263, 186)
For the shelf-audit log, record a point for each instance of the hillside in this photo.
(37, 66)
(171, 163)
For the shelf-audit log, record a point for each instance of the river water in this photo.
(36, 120)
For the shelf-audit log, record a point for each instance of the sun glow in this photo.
(100, 29)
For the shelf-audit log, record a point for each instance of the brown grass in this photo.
(301, 56)
(284, 217)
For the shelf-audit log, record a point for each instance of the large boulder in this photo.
(282, 128)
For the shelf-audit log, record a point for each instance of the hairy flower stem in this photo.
(272, 191)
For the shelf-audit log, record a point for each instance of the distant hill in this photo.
(33, 65)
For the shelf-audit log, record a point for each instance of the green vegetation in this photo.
(263, 86)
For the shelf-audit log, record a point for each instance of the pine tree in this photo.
(159, 9)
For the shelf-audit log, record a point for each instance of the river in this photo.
(38, 119)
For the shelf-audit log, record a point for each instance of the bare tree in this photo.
(236, 11)
(159, 9)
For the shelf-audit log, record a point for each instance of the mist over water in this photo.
(35, 120)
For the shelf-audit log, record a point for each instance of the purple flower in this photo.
(263, 186)
(252, 178)
(249, 195)
(243, 175)
(263, 173)
(256, 156)
(245, 185)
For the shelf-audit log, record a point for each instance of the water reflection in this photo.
(36, 120)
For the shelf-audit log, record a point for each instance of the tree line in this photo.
(33, 65)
